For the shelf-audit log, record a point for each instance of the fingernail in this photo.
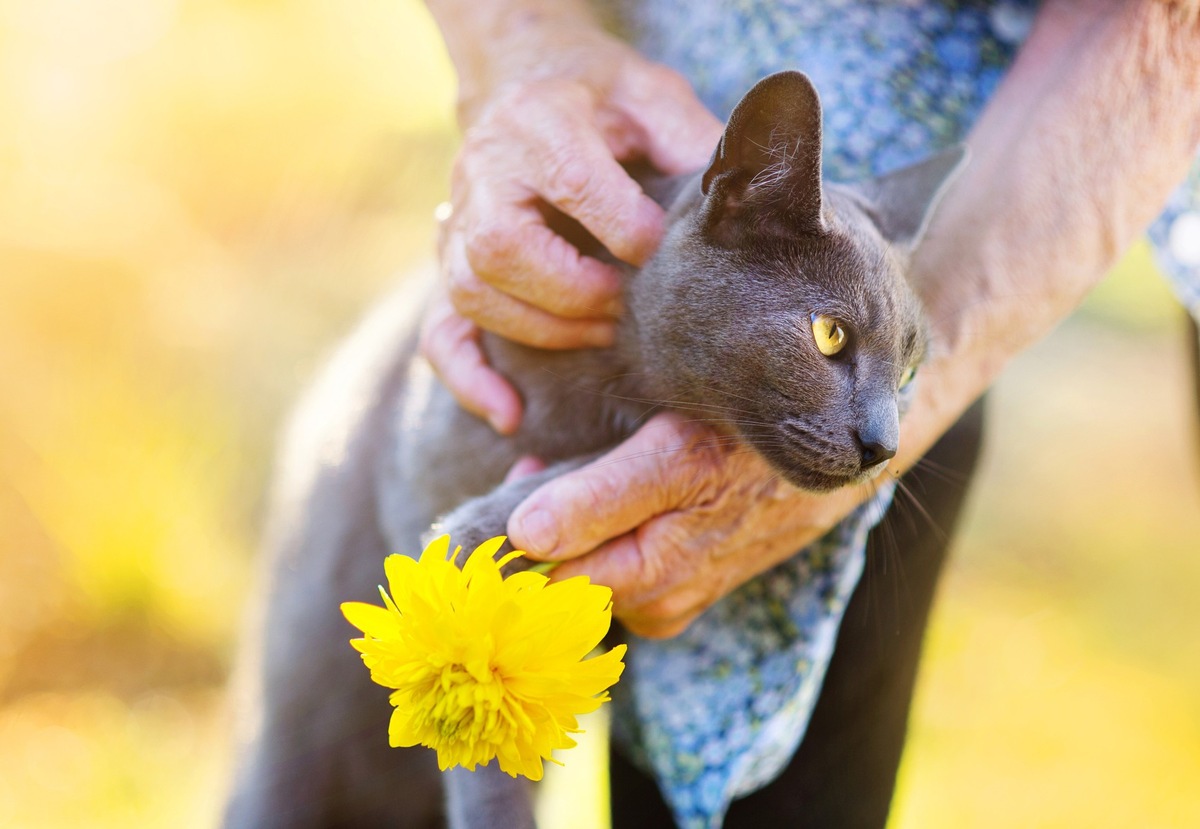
(496, 421)
(538, 531)
(614, 307)
(501, 424)
(602, 336)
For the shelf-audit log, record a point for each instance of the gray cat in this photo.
(776, 308)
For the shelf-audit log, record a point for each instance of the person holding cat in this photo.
(1082, 120)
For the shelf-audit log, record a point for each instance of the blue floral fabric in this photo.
(719, 711)
(1176, 240)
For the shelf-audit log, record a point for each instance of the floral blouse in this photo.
(718, 712)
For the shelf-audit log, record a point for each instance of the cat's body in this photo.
(726, 320)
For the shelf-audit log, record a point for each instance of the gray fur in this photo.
(718, 326)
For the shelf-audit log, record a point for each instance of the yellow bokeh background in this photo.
(198, 197)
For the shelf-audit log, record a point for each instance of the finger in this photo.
(648, 608)
(451, 345)
(510, 248)
(525, 466)
(512, 318)
(653, 627)
(667, 464)
(578, 174)
(628, 567)
(679, 134)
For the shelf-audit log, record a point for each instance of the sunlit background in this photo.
(198, 197)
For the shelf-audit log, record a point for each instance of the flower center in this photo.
(467, 705)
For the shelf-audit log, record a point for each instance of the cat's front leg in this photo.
(487, 798)
(485, 517)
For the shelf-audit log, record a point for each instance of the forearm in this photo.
(494, 43)
(1076, 153)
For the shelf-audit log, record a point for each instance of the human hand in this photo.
(554, 138)
(672, 520)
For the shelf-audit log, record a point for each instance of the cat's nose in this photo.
(875, 453)
(878, 432)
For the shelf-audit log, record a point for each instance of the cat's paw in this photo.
(472, 524)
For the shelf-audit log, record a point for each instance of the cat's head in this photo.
(779, 307)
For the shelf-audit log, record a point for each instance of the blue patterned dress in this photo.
(718, 712)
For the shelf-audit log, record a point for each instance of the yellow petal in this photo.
(525, 580)
(486, 667)
(437, 549)
(401, 733)
(370, 619)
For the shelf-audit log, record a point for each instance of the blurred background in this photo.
(198, 197)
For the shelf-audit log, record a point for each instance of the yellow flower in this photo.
(485, 666)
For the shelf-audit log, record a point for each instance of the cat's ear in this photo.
(770, 156)
(902, 202)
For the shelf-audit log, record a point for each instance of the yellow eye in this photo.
(829, 334)
(908, 376)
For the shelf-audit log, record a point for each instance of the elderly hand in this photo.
(672, 520)
(556, 139)
(679, 519)
(673, 530)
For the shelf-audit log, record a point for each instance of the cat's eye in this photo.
(908, 376)
(829, 334)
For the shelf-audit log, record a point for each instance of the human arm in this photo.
(551, 105)
(1095, 123)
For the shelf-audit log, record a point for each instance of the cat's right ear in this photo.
(767, 167)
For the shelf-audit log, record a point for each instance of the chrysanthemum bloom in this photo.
(485, 666)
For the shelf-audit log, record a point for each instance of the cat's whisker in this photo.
(721, 409)
(882, 552)
(904, 489)
(941, 471)
(725, 393)
(717, 441)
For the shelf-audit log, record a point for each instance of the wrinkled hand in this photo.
(677, 516)
(554, 141)
(672, 520)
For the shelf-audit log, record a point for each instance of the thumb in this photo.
(667, 464)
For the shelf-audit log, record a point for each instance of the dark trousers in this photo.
(844, 772)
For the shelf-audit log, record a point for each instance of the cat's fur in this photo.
(719, 322)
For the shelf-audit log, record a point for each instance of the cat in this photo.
(777, 307)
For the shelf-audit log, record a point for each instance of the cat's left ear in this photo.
(767, 168)
(903, 202)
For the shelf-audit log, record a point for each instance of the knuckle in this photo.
(476, 159)
(489, 244)
(518, 104)
(519, 96)
(509, 99)
(551, 94)
(670, 608)
(569, 179)
(666, 80)
(464, 288)
(543, 336)
(593, 494)
(654, 569)
(695, 455)
(705, 460)
(654, 629)
(665, 432)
